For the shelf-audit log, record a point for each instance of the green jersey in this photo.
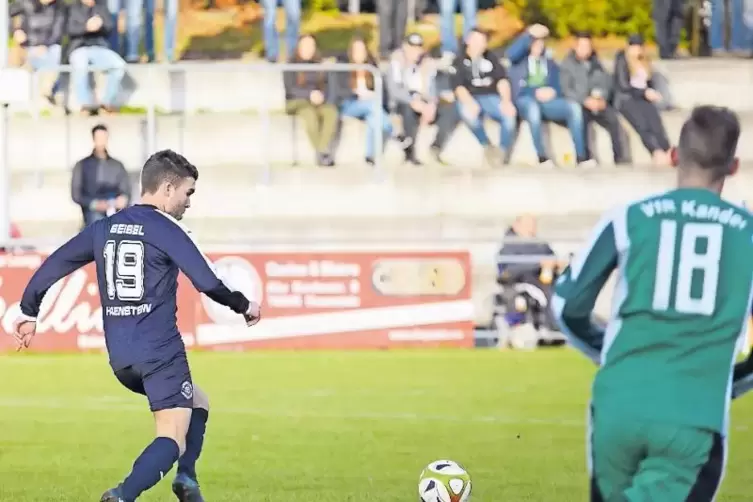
(684, 264)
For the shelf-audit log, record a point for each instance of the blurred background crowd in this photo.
(547, 83)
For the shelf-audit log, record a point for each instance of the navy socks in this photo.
(194, 443)
(151, 466)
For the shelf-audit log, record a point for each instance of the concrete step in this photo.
(499, 194)
(204, 86)
(279, 141)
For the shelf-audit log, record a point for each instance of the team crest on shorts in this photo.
(187, 390)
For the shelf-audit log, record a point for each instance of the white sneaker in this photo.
(548, 164)
(588, 164)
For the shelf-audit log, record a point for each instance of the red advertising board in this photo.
(309, 300)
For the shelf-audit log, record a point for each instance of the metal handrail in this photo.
(151, 133)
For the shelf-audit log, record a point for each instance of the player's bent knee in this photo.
(200, 398)
(173, 423)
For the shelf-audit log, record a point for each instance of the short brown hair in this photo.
(166, 165)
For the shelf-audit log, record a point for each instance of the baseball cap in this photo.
(414, 39)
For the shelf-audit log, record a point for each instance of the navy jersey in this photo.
(138, 253)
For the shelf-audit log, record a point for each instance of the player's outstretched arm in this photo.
(71, 256)
(182, 249)
(578, 288)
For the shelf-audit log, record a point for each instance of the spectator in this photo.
(448, 116)
(307, 95)
(292, 26)
(392, 16)
(636, 99)
(483, 89)
(100, 183)
(133, 27)
(669, 20)
(585, 81)
(41, 34)
(89, 24)
(537, 94)
(447, 9)
(359, 99)
(412, 86)
(740, 31)
(527, 286)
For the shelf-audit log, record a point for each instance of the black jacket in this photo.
(521, 272)
(479, 77)
(43, 24)
(95, 178)
(298, 85)
(622, 88)
(78, 15)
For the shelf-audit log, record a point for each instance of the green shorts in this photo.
(640, 461)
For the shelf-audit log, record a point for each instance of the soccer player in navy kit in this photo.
(138, 252)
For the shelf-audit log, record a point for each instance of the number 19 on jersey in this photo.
(124, 270)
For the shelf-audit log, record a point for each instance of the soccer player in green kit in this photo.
(684, 263)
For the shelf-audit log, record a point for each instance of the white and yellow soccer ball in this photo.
(444, 481)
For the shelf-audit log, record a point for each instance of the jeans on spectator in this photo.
(136, 11)
(370, 111)
(292, 25)
(86, 59)
(490, 105)
(169, 29)
(447, 23)
(50, 59)
(741, 20)
(555, 110)
(645, 119)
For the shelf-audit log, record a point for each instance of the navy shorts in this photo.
(166, 382)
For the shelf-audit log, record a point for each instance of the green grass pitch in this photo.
(322, 426)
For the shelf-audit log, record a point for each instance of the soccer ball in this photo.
(444, 481)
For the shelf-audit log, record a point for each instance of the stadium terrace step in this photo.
(233, 86)
(297, 195)
(278, 140)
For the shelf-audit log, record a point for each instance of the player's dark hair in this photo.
(98, 127)
(708, 140)
(165, 165)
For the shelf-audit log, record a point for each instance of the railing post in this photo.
(379, 169)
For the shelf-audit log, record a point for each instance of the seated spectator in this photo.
(585, 81)
(412, 86)
(635, 98)
(483, 89)
(535, 80)
(41, 34)
(307, 95)
(100, 183)
(359, 99)
(89, 24)
(527, 285)
(448, 117)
